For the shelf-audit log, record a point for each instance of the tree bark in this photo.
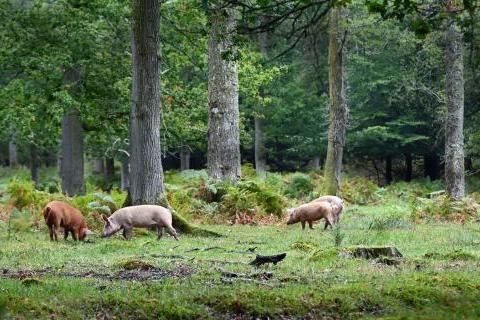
(314, 163)
(431, 166)
(184, 158)
(146, 180)
(125, 175)
(34, 163)
(454, 152)
(13, 153)
(108, 174)
(97, 165)
(260, 150)
(338, 103)
(223, 154)
(408, 167)
(388, 170)
(72, 163)
(72, 154)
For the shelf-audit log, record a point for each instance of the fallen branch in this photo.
(259, 260)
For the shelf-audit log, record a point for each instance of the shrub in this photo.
(444, 208)
(388, 222)
(359, 190)
(267, 198)
(299, 185)
(23, 194)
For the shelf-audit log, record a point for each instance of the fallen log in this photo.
(259, 260)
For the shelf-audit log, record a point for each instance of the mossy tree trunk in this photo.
(260, 150)
(184, 158)
(34, 163)
(223, 155)
(338, 103)
(454, 152)
(13, 152)
(146, 172)
(72, 161)
(146, 183)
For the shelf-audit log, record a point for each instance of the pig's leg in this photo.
(310, 224)
(159, 232)
(303, 225)
(127, 233)
(51, 233)
(172, 232)
(65, 234)
(328, 222)
(75, 234)
(54, 229)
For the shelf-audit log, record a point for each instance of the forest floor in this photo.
(202, 278)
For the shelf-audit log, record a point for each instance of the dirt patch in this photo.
(151, 274)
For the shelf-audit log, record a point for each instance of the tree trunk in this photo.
(72, 165)
(454, 153)
(184, 158)
(34, 163)
(431, 166)
(408, 167)
(125, 175)
(388, 170)
(13, 153)
(97, 165)
(260, 150)
(109, 174)
(223, 155)
(338, 103)
(146, 172)
(146, 180)
(72, 154)
(468, 163)
(314, 163)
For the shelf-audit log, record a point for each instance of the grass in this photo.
(143, 278)
(438, 279)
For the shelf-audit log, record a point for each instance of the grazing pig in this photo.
(336, 203)
(143, 216)
(60, 214)
(312, 211)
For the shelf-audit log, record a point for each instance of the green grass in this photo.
(438, 279)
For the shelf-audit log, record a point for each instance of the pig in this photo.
(60, 214)
(336, 203)
(312, 211)
(143, 216)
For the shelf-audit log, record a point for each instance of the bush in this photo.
(299, 185)
(23, 194)
(359, 190)
(444, 208)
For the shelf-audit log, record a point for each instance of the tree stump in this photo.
(372, 252)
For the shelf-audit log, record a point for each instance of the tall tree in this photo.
(338, 102)
(260, 149)
(146, 179)
(454, 153)
(223, 117)
(13, 153)
(72, 162)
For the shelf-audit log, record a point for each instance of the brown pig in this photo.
(312, 211)
(336, 203)
(60, 214)
(143, 216)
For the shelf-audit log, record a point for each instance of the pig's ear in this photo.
(88, 232)
(105, 218)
